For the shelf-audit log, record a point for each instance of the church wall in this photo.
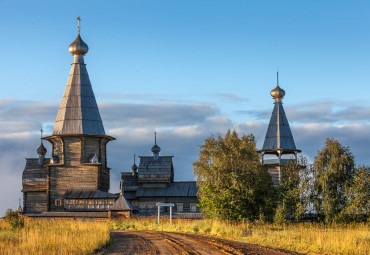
(104, 180)
(72, 153)
(148, 204)
(76, 172)
(63, 179)
(35, 201)
(274, 171)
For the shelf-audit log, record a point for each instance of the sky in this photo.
(186, 69)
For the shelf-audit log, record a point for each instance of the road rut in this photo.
(152, 242)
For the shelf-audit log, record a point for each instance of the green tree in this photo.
(14, 218)
(333, 173)
(358, 194)
(232, 182)
(293, 191)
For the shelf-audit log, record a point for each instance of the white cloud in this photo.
(181, 130)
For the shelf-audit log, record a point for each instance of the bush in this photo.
(14, 219)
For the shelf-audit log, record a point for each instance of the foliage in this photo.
(292, 191)
(14, 219)
(307, 238)
(358, 194)
(333, 173)
(232, 182)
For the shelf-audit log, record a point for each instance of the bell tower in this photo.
(79, 158)
(279, 139)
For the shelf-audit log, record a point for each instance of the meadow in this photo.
(75, 237)
(53, 237)
(310, 238)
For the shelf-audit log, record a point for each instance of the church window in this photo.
(193, 207)
(180, 207)
(58, 202)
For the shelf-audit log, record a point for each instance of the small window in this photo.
(193, 207)
(151, 205)
(142, 205)
(180, 207)
(58, 202)
(100, 201)
(80, 201)
(90, 202)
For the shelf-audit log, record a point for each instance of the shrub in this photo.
(14, 218)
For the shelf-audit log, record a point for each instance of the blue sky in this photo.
(186, 69)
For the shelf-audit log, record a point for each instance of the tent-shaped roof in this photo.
(278, 135)
(78, 112)
(122, 205)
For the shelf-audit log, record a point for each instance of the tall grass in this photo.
(74, 237)
(302, 237)
(53, 237)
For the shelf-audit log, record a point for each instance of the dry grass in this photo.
(304, 237)
(73, 237)
(53, 237)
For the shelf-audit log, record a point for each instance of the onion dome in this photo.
(41, 150)
(277, 92)
(78, 47)
(156, 149)
(94, 159)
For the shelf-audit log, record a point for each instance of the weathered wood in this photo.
(35, 201)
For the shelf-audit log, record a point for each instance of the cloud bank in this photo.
(181, 129)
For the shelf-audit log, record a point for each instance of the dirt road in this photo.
(150, 242)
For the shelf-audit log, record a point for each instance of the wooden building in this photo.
(279, 140)
(153, 182)
(76, 177)
(74, 182)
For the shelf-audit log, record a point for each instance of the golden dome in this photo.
(277, 92)
(78, 47)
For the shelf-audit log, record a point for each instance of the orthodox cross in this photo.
(78, 18)
(155, 137)
(41, 131)
(134, 159)
(120, 191)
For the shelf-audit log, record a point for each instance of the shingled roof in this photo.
(83, 194)
(279, 135)
(78, 112)
(279, 139)
(122, 205)
(175, 189)
(155, 170)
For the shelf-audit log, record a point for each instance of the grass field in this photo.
(74, 237)
(53, 237)
(303, 237)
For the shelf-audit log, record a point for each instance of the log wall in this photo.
(76, 172)
(274, 171)
(35, 201)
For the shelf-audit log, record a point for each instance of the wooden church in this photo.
(75, 181)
